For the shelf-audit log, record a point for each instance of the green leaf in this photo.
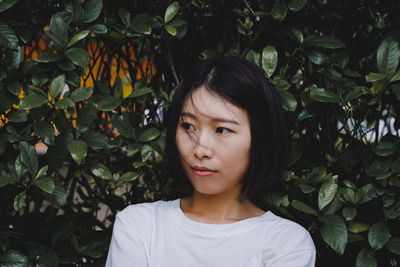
(17, 116)
(301, 206)
(92, 10)
(8, 34)
(289, 102)
(374, 77)
(142, 23)
(279, 11)
(42, 171)
(318, 58)
(20, 202)
(81, 93)
(253, 56)
(379, 169)
(171, 11)
(149, 135)
(47, 259)
(129, 176)
(57, 86)
(146, 151)
(269, 60)
(77, 37)
(394, 245)
(109, 103)
(358, 227)
(46, 184)
(388, 56)
(47, 57)
(171, 30)
(123, 125)
(357, 92)
(101, 171)
(32, 101)
(5, 180)
(349, 213)
(317, 175)
(45, 130)
(98, 28)
(141, 92)
(334, 233)
(78, 56)
(65, 103)
(97, 140)
(125, 16)
(78, 150)
(385, 149)
(330, 42)
(296, 5)
(326, 193)
(29, 157)
(378, 235)
(59, 196)
(366, 258)
(13, 258)
(85, 118)
(59, 29)
(6, 4)
(395, 77)
(323, 95)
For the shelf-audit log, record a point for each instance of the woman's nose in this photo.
(203, 147)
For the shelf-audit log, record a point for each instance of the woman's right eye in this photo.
(187, 126)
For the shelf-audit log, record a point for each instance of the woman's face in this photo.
(213, 139)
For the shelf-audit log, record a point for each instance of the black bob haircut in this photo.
(243, 84)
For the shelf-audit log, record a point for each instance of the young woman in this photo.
(225, 135)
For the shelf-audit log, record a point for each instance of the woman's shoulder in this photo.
(147, 210)
(285, 230)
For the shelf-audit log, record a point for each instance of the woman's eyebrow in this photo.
(213, 119)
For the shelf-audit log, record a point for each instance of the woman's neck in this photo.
(218, 209)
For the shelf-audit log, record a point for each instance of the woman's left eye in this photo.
(222, 130)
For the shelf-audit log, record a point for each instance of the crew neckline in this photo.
(223, 228)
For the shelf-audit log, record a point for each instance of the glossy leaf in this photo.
(78, 150)
(65, 103)
(394, 245)
(86, 116)
(384, 149)
(301, 206)
(13, 258)
(149, 135)
(42, 171)
(6, 4)
(32, 101)
(374, 77)
(388, 56)
(323, 95)
(92, 10)
(109, 103)
(6, 179)
(349, 213)
(98, 28)
(123, 125)
(269, 60)
(129, 176)
(78, 56)
(141, 92)
(29, 157)
(77, 37)
(46, 184)
(9, 35)
(101, 171)
(47, 57)
(57, 86)
(366, 258)
(171, 11)
(45, 130)
(59, 29)
(358, 227)
(334, 233)
(296, 5)
(378, 235)
(81, 93)
(326, 193)
(20, 202)
(330, 42)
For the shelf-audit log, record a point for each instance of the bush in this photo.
(84, 85)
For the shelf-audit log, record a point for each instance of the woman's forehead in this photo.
(204, 103)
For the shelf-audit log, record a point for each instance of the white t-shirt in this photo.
(160, 235)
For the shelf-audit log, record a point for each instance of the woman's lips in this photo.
(202, 171)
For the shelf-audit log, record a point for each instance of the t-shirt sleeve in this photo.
(298, 258)
(127, 246)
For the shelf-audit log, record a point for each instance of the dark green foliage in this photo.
(334, 63)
